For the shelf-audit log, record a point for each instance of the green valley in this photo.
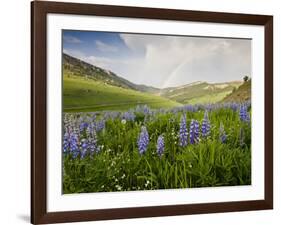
(82, 95)
(90, 88)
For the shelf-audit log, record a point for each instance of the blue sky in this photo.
(161, 60)
(100, 44)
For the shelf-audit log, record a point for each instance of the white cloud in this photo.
(103, 47)
(71, 39)
(103, 62)
(176, 60)
(164, 61)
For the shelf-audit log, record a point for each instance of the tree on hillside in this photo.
(245, 78)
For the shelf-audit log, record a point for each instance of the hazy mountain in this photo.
(200, 91)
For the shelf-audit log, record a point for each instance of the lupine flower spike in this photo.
(243, 114)
(73, 144)
(194, 132)
(66, 142)
(183, 134)
(160, 145)
(143, 140)
(206, 127)
(84, 148)
(92, 141)
(100, 125)
(129, 116)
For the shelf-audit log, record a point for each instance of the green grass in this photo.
(119, 166)
(211, 98)
(85, 95)
(200, 93)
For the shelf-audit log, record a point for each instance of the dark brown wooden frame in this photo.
(39, 11)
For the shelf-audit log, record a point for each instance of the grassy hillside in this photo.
(241, 94)
(88, 87)
(76, 67)
(81, 94)
(200, 92)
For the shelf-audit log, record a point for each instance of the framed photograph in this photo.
(143, 112)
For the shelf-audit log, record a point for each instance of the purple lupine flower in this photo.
(206, 127)
(66, 142)
(93, 146)
(223, 136)
(92, 141)
(91, 127)
(128, 116)
(83, 126)
(160, 145)
(243, 114)
(143, 140)
(194, 132)
(84, 148)
(146, 110)
(110, 115)
(234, 106)
(100, 125)
(190, 108)
(143, 109)
(74, 144)
(183, 132)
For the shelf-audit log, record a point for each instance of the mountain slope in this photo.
(193, 93)
(241, 94)
(199, 92)
(77, 67)
(85, 95)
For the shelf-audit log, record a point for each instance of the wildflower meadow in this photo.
(142, 148)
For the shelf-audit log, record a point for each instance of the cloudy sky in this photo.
(160, 60)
